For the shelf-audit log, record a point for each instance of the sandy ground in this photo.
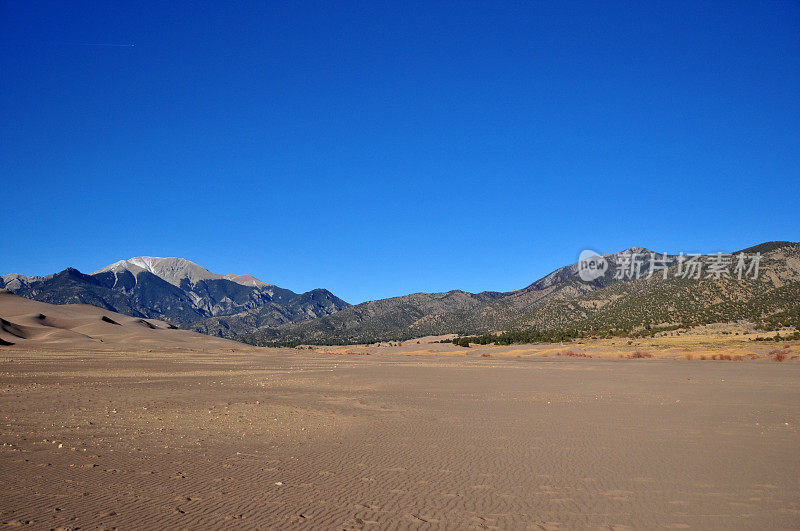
(398, 438)
(34, 325)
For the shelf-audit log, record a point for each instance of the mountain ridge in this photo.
(173, 289)
(555, 301)
(242, 307)
(174, 270)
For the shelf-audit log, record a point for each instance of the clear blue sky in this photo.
(377, 149)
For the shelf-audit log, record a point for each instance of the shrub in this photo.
(779, 354)
(573, 354)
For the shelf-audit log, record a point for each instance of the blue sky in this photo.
(382, 148)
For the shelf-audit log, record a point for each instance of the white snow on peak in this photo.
(174, 270)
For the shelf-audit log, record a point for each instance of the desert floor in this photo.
(409, 436)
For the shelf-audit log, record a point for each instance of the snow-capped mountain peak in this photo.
(174, 270)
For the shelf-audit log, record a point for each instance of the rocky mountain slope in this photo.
(563, 301)
(384, 319)
(175, 290)
(771, 300)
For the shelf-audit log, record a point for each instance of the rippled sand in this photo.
(291, 439)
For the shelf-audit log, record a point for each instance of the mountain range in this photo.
(562, 302)
(177, 291)
(242, 307)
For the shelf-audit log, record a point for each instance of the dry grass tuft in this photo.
(640, 354)
(573, 354)
(723, 357)
(779, 354)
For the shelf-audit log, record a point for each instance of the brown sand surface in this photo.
(275, 438)
(29, 325)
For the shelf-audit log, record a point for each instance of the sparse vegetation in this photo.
(570, 310)
(573, 354)
(779, 354)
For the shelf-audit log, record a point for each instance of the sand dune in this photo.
(29, 324)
